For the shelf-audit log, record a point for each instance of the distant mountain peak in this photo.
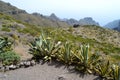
(71, 21)
(88, 21)
(114, 25)
(54, 17)
(84, 21)
(88, 18)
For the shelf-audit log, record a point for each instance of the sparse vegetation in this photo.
(104, 69)
(86, 61)
(5, 29)
(63, 44)
(44, 48)
(81, 58)
(116, 72)
(7, 56)
(65, 53)
(5, 45)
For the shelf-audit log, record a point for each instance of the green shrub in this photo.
(65, 53)
(47, 48)
(9, 57)
(43, 48)
(116, 72)
(5, 29)
(86, 61)
(5, 45)
(104, 69)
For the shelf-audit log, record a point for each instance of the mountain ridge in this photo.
(115, 25)
(84, 21)
(42, 20)
(22, 15)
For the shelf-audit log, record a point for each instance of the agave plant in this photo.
(85, 60)
(44, 48)
(5, 44)
(66, 53)
(104, 69)
(116, 72)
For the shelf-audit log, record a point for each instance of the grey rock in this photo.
(27, 63)
(33, 63)
(17, 66)
(21, 64)
(12, 67)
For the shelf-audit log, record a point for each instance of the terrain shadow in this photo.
(70, 69)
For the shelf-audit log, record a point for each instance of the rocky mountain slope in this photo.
(22, 15)
(41, 20)
(12, 24)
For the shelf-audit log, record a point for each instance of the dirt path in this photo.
(44, 72)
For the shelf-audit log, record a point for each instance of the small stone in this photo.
(33, 63)
(12, 67)
(27, 64)
(17, 66)
(21, 64)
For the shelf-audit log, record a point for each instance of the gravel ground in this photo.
(45, 72)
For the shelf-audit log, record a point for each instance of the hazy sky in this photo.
(102, 11)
